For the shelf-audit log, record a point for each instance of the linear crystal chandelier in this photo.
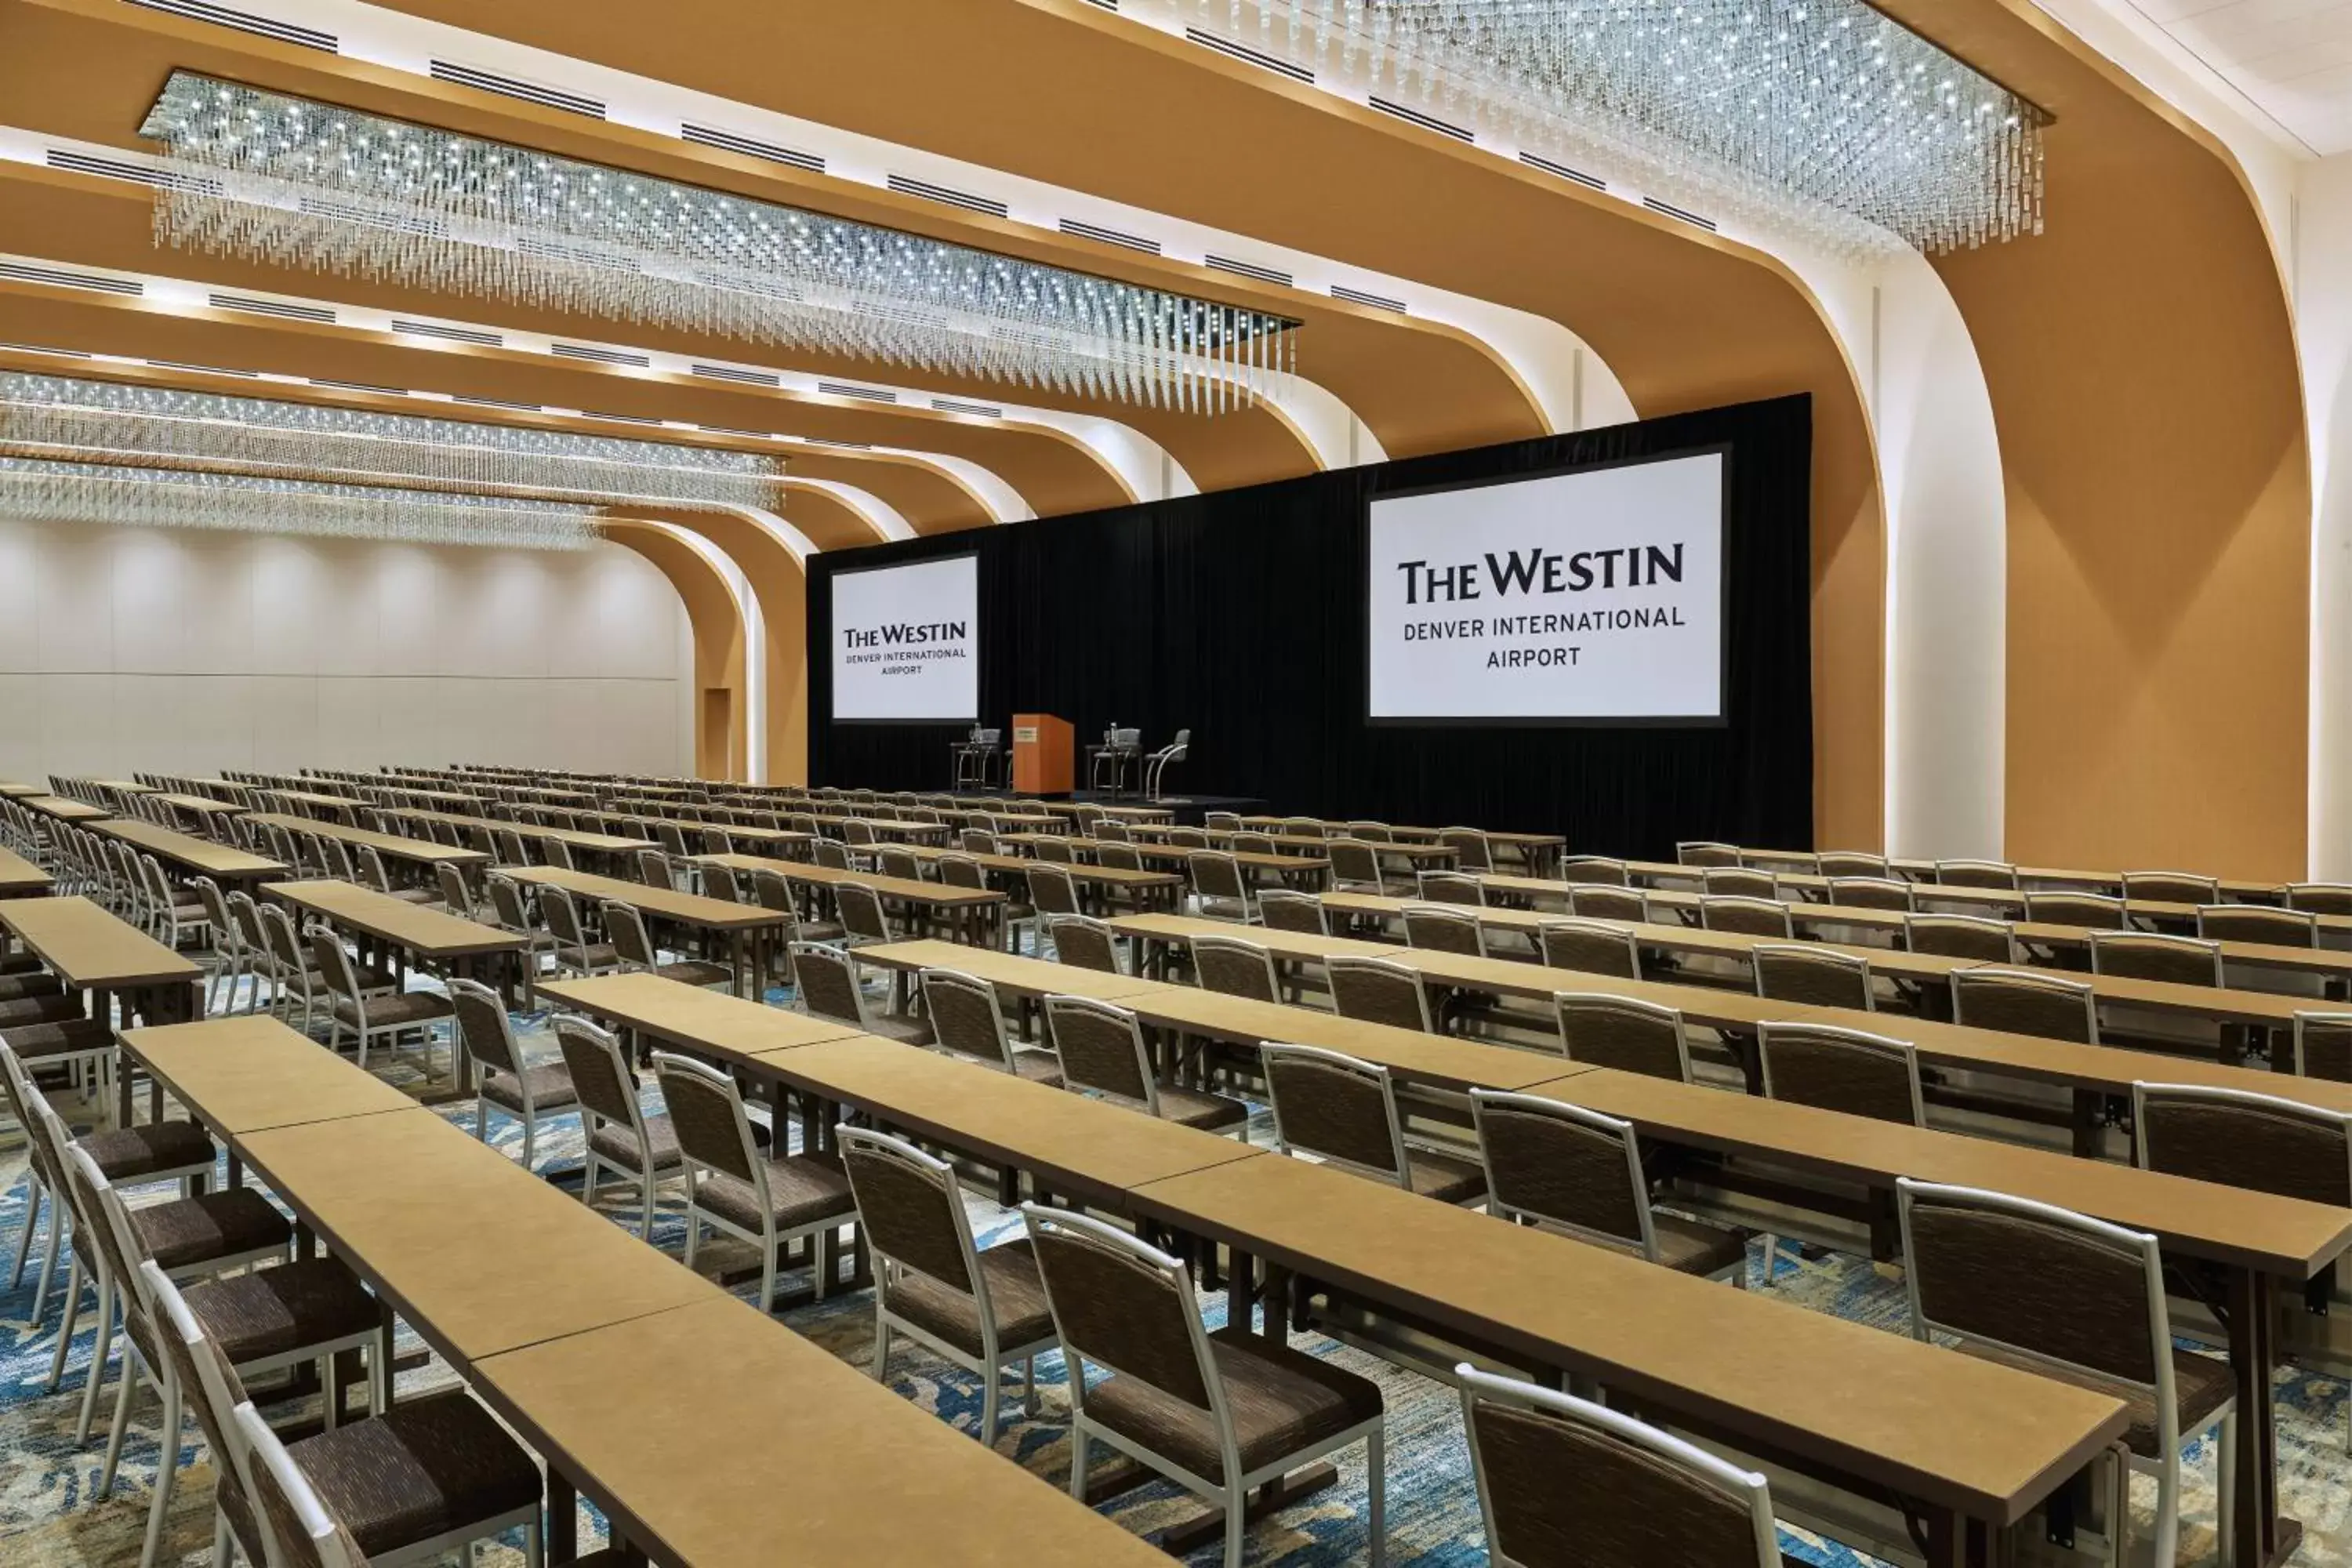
(41, 490)
(284, 180)
(56, 416)
(1826, 119)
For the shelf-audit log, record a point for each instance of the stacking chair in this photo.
(1286, 908)
(1548, 1162)
(1739, 882)
(1085, 941)
(2261, 923)
(1706, 852)
(769, 1200)
(1221, 821)
(2177, 960)
(654, 870)
(227, 959)
(1471, 852)
(1304, 827)
(1236, 966)
(1355, 867)
(373, 875)
(1052, 891)
(1747, 916)
(1343, 1111)
(293, 977)
(455, 896)
(1590, 947)
(2171, 888)
(1964, 873)
(575, 953)
(1594, 870)
(1379, 991)
(981, 1311)
(2323, 1046)
(366, 1013)
(2320, 898)
(180, 917)
(1219, 891)
(627, 926)
(1566, 1483)
(530, 1093)
(2072, 907)
(1961, 936)
(829, 987)
(620, 1138)
(720, 883)
(1601, 902)
(1813, 975)
(1219, 1414)
(252, 958)
(1100, 1051)
(2096, 1316)
(511, 850)
(863, 919)
(1852, 865)
(510, 912)
(1376, 832)
(1871, 893)
(1444, 928)
(558, 853)
(1621, 1032)
(1118, 853)
(901, 862)
(1054, 849)
(1844, 1070)
(968, 1020)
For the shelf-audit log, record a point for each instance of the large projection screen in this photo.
(1594, 596)
(906, 643)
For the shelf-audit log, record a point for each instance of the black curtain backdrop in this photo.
(1241, 615)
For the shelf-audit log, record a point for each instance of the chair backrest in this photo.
(861, 912)
(1287, 909)
(626, 928)
(454, 891)
(601, 1074)
(1842, 1069)
(216, 903)
(1444, 928)
(772, 891)
(1337, 1107)
(672, 837)
(209, 1385)
(720, 883)
(2041, 1280)
(292, 1514)
(1452, 887)
(1216, 874)
(714, 1132)
(653, 869)
(899, 861)
(911, 1209)
(1870, 893)
(1052, 889)
(978, 841)
(1747, 916)
(1601, 902)
(826, 977)
(1739, 882)
(1120, 856)
(1085, 941)
(561, 914)
(960, 870)
(1111, 830)
(1815, 975)
(2070, 907)
(1304, 827)
(1221, 821)
(1471, 850)
(1564, 1164)
(1054, 847)
(2244, 1139)
(1624, 1033)
(2171, 888)
(1379, 991)
(1236, 966)
(1706, 852)
(483, 1027)
(507, 903)
(1977, 874)
(2320, 898)
(1376, 832)
(1594, 870)
(966, 1017)
(1101, 1048)
(1562, 1480)
(2261, 923)
(285, 945)
(1589, 946)
(1858, 864)
(2323, 1046)
(1188, 838)
(1961, 936)
(372, 871)
(1127, 1307)
(717, 840)
(1355, 860)
(2152, 955)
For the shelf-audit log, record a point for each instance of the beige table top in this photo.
(1443, 1060)
(199, 854)
(1493, 835)
(419, 850)
(1283, 944)
(128, 786)
(1010, 971)
(687, 908)
(889, 826)
(249, 1074)
(427, 934)
(682, 1422)
(417, 792)
(15, 791)
(1038, 821)
(942, 895)
(203, 805)
(1079, 1145)
(19, 876)
(313, 797)
(2278, 1235)
(693, 1015)
(1254, 859)
(65, 809)
(87, 948)
(1934, 1425)
(478, 1254)
(602, 843)
(1110, 876)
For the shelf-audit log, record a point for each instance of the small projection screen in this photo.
(1590, 596)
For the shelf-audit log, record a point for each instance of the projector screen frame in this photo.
(833, 670)
(1719, 720)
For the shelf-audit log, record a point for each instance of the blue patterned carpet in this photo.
(47, 1515)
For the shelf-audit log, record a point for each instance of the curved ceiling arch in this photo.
(718, 626)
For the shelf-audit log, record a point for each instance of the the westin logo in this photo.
(907, 634)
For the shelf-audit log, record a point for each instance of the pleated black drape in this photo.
(1241, 615)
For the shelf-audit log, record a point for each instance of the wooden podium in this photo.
(1041, 754)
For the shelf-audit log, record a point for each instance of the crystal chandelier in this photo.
(54, 416)
(1826, 119)
(45, 491)
(289, 181)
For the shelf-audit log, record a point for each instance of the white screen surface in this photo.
(906, 643)
(1594, 596)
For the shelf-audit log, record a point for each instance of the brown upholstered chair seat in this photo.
(407, 1008)
(1282, 1400)
(17, 987)
(802, 1189)
(1015, 1292)
(1038, 1066)
(1191, 1108)
(698, 972)
(31, 1041)
(1687, 1246)
(128, 1153)
(550, 1084)
(195, 1230)
(276, 1311)
(599, 955)
(54, 1009)
(905, 1029)
(422, 1470)
(414, 896)
(819, 930)
(2200, 1384)
(1446, 1178)
(612, 1142)
(20, 964)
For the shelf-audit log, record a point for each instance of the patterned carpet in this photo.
(47, 1515)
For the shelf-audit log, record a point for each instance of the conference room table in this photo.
(107, 963)
(579, 842)
(969, 914)
(313, 805)
(20, 878)
(2035, 878)
(12, 790)
(64, 808)
(208, 811)
(1098, 885)
(409, 792)
(225, 864)
(1414, 856)
(420, 855)
(1539, 852)
(1302, 872)
(750, 931)
(398, 935)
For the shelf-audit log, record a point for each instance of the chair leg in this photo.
(121, 1425)
(167, 1473)
(1376, 1486)
(1077, 1460)
(987, 1404)
(1236, 1523)
(768, 1279)
(224, 1549)
(65, 1332)
(881, 1339)
(482, 1121)
(102, 1350)
(1771, 1256)
(645, 1209)
(58, 1222)
(32, 1195)
(2225, 1486)
(531, 1546)
(2168, 1511)
(529, 1137)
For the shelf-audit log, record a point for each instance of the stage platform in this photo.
(1188, 808)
